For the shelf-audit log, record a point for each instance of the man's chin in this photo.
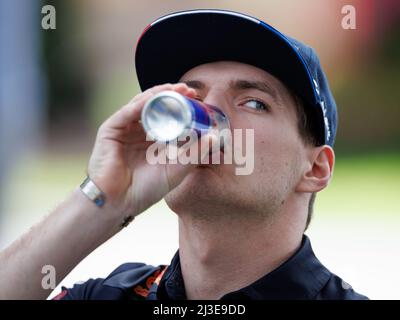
(203, 183)
(202, 176)
(205, 176)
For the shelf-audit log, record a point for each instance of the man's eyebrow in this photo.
(195, 84)
(257, 85)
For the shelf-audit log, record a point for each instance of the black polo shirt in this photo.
(301, 277)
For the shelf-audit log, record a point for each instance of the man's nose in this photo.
(220, 100)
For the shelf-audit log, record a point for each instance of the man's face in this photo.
(252, 99)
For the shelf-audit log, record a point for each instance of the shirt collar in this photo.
(302, 276)
(171, 285)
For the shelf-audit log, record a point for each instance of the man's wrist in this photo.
(93, 193)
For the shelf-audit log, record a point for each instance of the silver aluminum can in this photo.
(169, 115)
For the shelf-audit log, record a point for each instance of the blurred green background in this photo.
(84, 71)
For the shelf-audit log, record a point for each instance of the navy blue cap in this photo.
(178, 42)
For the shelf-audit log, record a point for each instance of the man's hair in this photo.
(307, 130)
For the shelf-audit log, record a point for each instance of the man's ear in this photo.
(319, 171)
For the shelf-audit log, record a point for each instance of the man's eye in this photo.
(256, 104)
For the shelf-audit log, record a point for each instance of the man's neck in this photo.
(218, 257)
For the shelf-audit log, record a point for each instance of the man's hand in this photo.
(118, 164)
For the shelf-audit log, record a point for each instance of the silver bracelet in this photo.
(89, 188)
